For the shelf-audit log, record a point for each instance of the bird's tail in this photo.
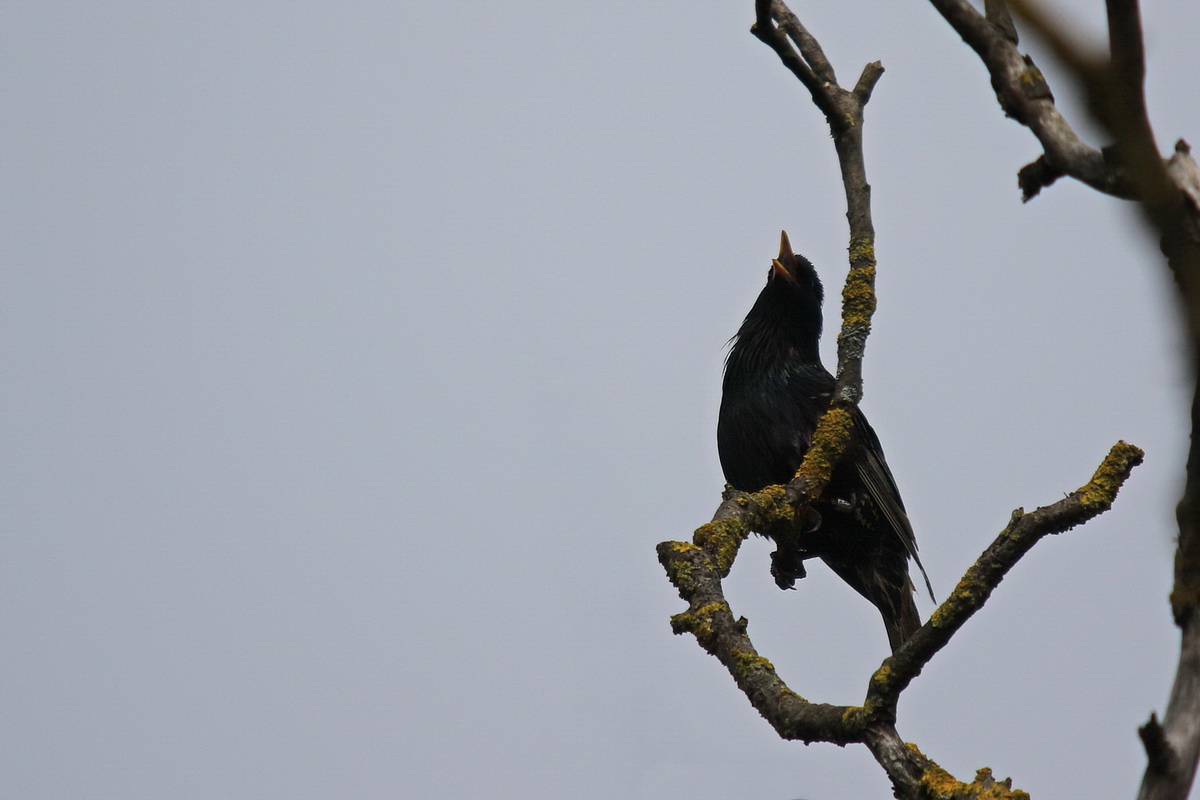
(902, 621)
(889, 588)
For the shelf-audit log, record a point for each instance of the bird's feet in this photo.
(787, 567)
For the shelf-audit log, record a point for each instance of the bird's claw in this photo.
(787, 567)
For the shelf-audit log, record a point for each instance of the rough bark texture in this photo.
(697, 568)
(1167, 192)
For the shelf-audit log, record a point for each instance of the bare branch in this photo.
(1021, 534)
(1171, 748)
(1116, 99)
(1126, 50)
(1114, 89)
(905, 765)
(810, 48)
(698, 568)
(1025, 96)
(866, 81)
(764, 28)
(1169, 196)
(996, 12)
(843, 112)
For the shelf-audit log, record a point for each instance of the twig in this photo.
(843, 110)
(764, 28)
(1025, 97)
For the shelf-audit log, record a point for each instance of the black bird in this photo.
(775, 390)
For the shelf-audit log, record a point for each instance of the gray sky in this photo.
(358, 354)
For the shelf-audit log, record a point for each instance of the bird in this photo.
(773, 393)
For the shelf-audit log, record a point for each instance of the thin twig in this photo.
(764, 28)
(1025, 97)
(843, 110)
(809, 47)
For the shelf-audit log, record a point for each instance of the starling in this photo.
(774, 391)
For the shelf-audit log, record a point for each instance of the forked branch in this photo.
(1168, 194)
(697, 568)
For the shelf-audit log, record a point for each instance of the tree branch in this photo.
(1025, 96)
(1022, 533)
(764, 28)
(1170, 747)
(843, 110)
(1169, 197)
(698, 568)
(808, 45)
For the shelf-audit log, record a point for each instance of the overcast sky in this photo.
(356, 355)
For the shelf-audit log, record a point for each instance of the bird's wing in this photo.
(877, 478)
(766, 422)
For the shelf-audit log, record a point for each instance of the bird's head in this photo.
(784, 325)
(786, 317)
(793, 282)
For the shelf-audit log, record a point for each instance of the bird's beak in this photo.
(785, 247)
(786, 256)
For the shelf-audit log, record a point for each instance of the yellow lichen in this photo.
(699, 622)
(853, 716)
(1102, 489)
(721, 540)
(829, 440)
(708, 609)
(773, 506)
(859, 303)
(862, 251)
(745, 662)
(938, 618)
(682, 577)
(882, 678)
(1032, 76)
(938, 784)
(786, 694)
